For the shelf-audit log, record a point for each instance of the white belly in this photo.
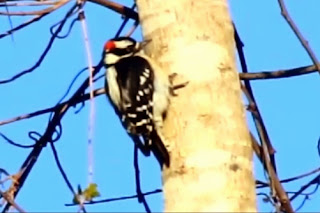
(113, 88)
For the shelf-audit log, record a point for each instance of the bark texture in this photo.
(205, 130)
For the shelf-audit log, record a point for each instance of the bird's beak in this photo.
(144, 43)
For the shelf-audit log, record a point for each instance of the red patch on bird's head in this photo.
(109, 45)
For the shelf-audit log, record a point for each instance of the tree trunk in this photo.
(205, 130)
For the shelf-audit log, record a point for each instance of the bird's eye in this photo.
(129, 48)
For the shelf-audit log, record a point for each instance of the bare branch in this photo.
(126, 11)
(22, 4)
(8, 198)
(140, 195)
(315, 180)
(303, 41)
(125, 21)
(25, 24)
(14, 143)
(118, 198)
(59, 165)
(263, 184)
(71, 102)
(278, 73)
(285, 202)
(255, 112)
(37, 12)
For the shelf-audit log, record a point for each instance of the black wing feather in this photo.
(132, 85)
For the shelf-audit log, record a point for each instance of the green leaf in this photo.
(87, 195)
(91, 192)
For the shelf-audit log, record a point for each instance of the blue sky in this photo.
(289, 106)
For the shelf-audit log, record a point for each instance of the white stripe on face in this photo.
(123, 44)
(111, 58)
(113, 88)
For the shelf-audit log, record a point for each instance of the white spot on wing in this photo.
(146, 90)
(146, 73)
(142, 122)
(127, 105)
(142, 80)
(131, 115)
(140, 92)
(142, 108)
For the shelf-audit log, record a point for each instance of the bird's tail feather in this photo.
(156, 146)
(159, 150)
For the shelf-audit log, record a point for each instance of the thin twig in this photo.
(22, 4)
(278, 74)
(59, 165)
(37, 12)
(133, 28)
(118, 198)
(303, 41)
(14, 143)
(25, 24)
(315, 180)
(75, 78)
(140, 195)
(71, 102)
(4, 172)
(126, 11)
(255, 112)
(8, 198)
(45, 52)
(285, 202)
(301, 176)
(263, 184)
(264, 152)
(125, 21)
(9, 18)
(302, 203)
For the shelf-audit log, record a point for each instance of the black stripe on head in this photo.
(124, 46)
(124, 38)
(121, 51)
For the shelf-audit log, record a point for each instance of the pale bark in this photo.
(206, 131)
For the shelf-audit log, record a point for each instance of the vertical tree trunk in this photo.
(206, 131)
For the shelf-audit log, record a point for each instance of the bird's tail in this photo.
(153, 143)
(159, 150)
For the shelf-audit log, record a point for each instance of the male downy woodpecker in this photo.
(139, 93)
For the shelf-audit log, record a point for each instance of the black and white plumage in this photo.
(139, 93)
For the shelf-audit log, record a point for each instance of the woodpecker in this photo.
(139, 93)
